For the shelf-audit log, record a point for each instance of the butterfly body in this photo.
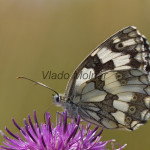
(117, 96)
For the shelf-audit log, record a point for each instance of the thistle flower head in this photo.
(64, 136)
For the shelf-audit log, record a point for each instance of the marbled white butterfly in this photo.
(118, 95)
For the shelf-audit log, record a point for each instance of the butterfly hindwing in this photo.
(115, 100)
(125, 50)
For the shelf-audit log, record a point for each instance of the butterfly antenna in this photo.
(38, 83)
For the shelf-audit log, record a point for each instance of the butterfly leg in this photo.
(58, 114)
(81, 136)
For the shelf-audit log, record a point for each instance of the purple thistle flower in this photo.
(65, 136)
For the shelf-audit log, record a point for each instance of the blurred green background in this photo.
(56, 35)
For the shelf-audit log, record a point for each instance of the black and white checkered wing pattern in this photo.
(118, 93)
(115, 100)
(125, 50)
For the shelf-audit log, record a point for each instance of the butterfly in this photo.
(117, 96)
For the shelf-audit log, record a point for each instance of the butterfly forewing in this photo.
(127, 49)
(116, 95)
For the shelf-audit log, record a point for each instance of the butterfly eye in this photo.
(119, 46)
(58, 99)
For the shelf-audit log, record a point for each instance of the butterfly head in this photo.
(58, 99)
